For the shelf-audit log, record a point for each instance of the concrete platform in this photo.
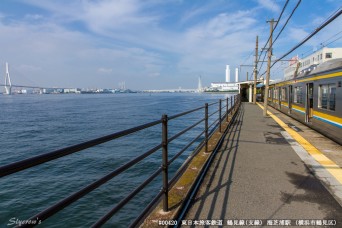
(258, 176)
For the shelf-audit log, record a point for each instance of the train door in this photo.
(290, 99)
(279, 97)
(309, 102)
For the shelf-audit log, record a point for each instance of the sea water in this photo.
(35, 124)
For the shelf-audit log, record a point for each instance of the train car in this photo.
(314, 98)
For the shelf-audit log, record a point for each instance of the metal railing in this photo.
(209, 128)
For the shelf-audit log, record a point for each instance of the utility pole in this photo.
(255, 69)
(269, 55)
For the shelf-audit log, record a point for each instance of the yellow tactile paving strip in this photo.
(325, 162)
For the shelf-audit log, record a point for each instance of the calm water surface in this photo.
(36, 124)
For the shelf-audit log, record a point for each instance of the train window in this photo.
(328, 55)
(275, 93)
(327, 97)
(298, 98)
(332, 97)
(284, 94)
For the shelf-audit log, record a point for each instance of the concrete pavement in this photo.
(257, 175)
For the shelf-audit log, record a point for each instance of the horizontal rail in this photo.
(185, 130)
(184, 113)
(185, 204)
(185, 148)
(213, 113)
(77, 195)
(146, 210)
(40, 159)
(216, 123)
(123, 202)
(214, 103)
(185, 164)
(43, 158)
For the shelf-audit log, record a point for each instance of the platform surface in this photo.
(260, 175)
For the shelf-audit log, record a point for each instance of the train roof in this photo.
(333, 64)
(329, 65)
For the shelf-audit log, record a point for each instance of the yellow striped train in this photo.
(314, 98)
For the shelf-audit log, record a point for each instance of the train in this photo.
(313, 97)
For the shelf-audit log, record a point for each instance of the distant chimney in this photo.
(236, 74)
(227, 73)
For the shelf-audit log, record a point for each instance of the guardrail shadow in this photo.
(224, 164)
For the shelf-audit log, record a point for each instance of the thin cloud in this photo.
(102, 42)
(270, 5)
(105, 70)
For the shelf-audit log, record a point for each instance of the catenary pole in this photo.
(255, 69)
(269, 55)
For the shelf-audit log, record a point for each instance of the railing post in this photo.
(227, 109)
(231, 105)
(206, 126)
(165, 163)
(220, 114)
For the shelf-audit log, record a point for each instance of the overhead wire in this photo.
(282, 29)
(330, 39)
(324, 43)
(333, 17)
(328, 21)
(334, 40)
(278, 20)
(247, 58)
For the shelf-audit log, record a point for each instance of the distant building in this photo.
(49, 90)
(310, 62)
(73, 90)
(227, 73)
(226, 86)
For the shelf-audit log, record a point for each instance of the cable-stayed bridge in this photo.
(8, 86)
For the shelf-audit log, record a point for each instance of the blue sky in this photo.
(151, 44)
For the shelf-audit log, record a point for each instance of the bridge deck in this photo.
(257, 175)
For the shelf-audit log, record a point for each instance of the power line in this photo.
(334, 41)
(328, 21)
(281, 14)
(332, 15)
(247, 58)
(311, 35)
(330, 39)
(282, 29)
(324, 45)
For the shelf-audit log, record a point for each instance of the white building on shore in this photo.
(226, 86)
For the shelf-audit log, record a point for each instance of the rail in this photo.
(208, 130)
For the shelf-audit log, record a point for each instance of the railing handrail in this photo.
(43, 158)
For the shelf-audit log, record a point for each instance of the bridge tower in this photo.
(8, 84)
(200, 88)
